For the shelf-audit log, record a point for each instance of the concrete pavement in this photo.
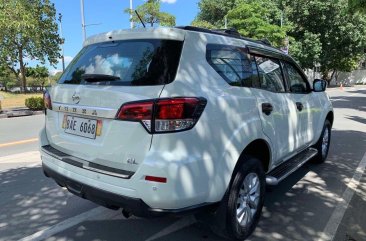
(306, 206)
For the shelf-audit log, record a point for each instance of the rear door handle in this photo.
(299, 106)
(267, 108)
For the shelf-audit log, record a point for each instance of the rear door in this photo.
(101, 78)
(303, 102)
(277, 119)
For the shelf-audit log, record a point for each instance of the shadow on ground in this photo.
(31, 202)
(298, 209)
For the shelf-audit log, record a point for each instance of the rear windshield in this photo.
(131, 62)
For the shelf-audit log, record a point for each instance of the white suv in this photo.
(176, 120)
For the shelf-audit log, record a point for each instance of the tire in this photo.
(224, 222)
(323, 144)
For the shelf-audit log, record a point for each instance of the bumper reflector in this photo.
(155, 179)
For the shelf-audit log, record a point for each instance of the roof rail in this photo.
(232, 32)
(266, 42)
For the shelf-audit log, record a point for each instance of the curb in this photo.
(19, 113)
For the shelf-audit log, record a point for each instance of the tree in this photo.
(150, 14)
(39, 74)
(28, 30)
(53, 79)
(213, 12)
(5, 76)
(326, 33)
(306, 49)
(258, 20)
(252, 18)
(357, 6)
(203, 24)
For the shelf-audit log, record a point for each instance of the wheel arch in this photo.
(259, 149)
(330, 117)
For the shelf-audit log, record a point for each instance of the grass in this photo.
(10, 100)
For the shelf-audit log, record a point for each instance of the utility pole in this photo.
(62, 43)
(131, 22)
(286, 42)
(82, 20)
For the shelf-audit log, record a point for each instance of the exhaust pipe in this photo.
(126, 214)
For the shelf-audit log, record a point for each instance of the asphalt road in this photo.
(317, 202)
(19, 134)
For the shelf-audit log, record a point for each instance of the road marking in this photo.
(180, 224)
(99, 212)
(337, 215)
(18, 142)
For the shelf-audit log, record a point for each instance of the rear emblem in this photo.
(75, 98)
(132, 161)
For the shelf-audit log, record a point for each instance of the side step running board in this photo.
(288, 167)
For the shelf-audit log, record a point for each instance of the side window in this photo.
(233, 64)
(270, 74)
(297, 83)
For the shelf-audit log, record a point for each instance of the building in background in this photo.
(357, 76)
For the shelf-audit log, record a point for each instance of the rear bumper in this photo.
(114, 201)
(118, 188)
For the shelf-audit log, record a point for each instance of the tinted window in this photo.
(297, 83)
(233, 64)
(270, 74)
(134, 62)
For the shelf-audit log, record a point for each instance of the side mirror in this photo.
(319, 85)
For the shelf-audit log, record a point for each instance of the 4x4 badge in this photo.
(132, 161)
(76, 98)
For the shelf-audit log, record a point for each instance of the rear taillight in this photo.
(164, 115)
(137, 111)
(47, 100)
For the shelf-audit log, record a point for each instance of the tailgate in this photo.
(100, 79)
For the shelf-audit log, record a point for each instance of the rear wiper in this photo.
(99, 77)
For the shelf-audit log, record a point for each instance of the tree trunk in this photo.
(16, 74)
(22, 70)
(331, 77)
(325, 74)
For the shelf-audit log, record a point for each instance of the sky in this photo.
(107, 15)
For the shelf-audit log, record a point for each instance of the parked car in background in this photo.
(33, 89)
(177, 120)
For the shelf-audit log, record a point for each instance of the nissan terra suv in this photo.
(176, 120)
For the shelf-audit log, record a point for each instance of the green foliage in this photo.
(6, 77)
(150, 14)
(202, 24)
(39, 75)
(37, 72)
(55, 78)
(252, 18)
(357, 6)
(326, 33)
(213, 12)
(256, 19)
(11, 84)
(28, 29)
(306, 49)
(34, 103)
